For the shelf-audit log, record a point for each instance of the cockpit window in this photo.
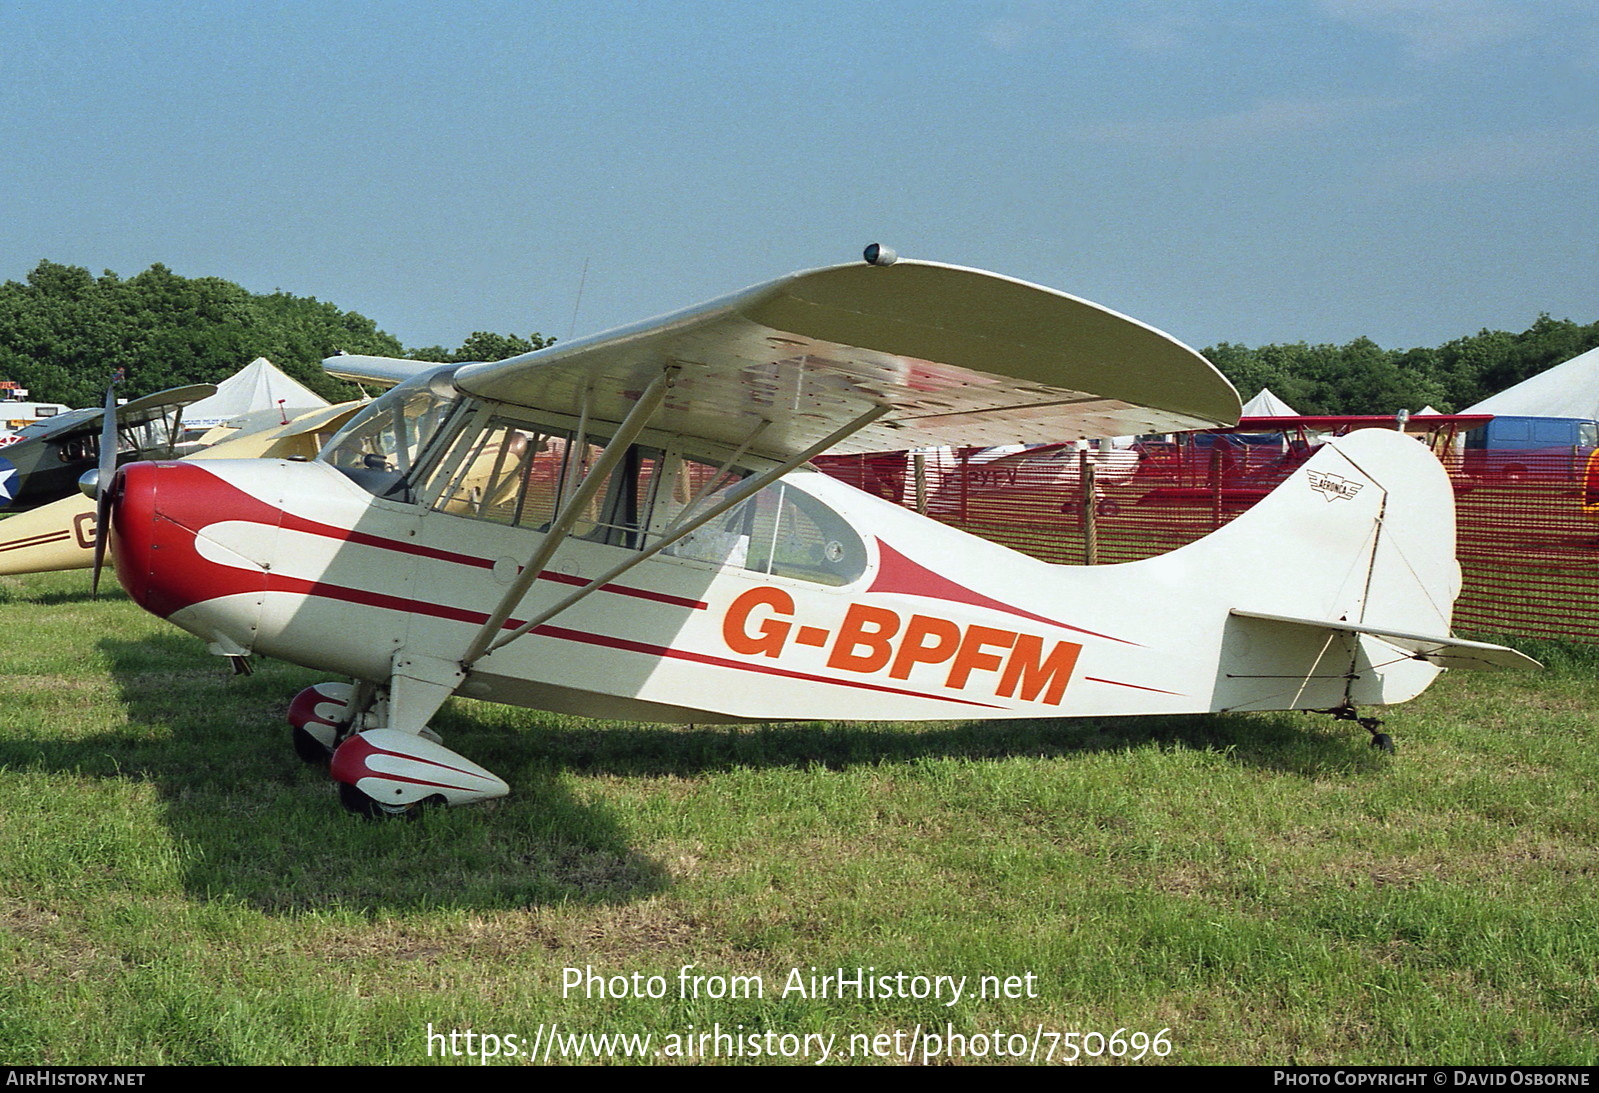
(382, 449)
(507, 472)
(517, 473)
(782, 531)
(132, 438)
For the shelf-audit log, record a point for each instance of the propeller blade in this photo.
(102, 490)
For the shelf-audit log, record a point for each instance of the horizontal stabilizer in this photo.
(1445, 652)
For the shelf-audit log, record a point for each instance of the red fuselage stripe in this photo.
(297, 586)
(292, 522)
(722, 662)
(624, 590)
(1134, 686)
(897, 573)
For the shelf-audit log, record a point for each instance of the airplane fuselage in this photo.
(624, 526)
(920, 620)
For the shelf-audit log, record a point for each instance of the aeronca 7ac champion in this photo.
(626, 527)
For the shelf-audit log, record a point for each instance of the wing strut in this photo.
(579, 438)
(711, 482)
(735, 496)
(573, 506)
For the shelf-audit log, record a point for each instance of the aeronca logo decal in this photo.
(870, 640)
(1333, 487)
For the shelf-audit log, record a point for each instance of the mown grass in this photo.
(175, 887)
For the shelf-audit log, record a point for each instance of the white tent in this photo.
(257, 389)
(1566, 390)
(1267, 404)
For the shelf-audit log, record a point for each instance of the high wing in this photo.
(136, 412)
(377, 371)
(954, 355)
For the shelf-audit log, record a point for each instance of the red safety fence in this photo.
(1527, 523)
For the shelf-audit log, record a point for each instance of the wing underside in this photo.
(956, 356)
(135, 412)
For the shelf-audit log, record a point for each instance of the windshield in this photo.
(383, 446)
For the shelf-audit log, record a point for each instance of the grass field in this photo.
(178, 888)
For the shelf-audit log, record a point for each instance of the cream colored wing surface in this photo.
(377, 371)
(153, 406)
(959, 356)
(302, 436)
(136, 412)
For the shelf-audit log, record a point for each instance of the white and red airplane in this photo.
(625, 527)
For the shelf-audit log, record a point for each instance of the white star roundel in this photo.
(8, 483)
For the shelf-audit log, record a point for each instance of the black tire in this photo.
(309, 748)
(359, 803)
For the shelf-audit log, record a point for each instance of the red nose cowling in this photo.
(158, 509)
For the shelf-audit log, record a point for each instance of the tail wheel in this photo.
(1379, 739)
(359, 803)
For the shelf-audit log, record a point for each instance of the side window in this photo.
(696, 487)
(515, 473)
(795, 535)
(622, 516)
(780, 531)
(144, 435)
(507, 473)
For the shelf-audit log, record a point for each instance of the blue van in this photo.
(1531, 447)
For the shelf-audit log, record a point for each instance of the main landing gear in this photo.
(382, 772)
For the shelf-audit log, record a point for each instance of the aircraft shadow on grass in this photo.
(257, 823)
(58, 597)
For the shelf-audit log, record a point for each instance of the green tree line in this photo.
(1361, 377)
(63, 332)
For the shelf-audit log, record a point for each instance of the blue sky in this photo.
(1411, 170)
